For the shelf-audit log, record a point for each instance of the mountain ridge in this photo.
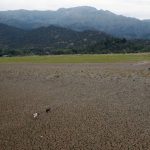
(79, 19)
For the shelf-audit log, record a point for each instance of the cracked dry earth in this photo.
(93, 106)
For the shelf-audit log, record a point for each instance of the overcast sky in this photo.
(133, 8)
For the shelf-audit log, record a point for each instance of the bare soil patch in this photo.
(91, 106)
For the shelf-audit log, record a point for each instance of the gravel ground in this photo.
(93, 106)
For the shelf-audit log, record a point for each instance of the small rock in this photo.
(35, 115)
(48, 110)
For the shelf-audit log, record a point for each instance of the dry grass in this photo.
(100, 58)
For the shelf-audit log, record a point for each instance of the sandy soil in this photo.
(93, 106)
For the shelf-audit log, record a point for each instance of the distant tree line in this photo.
(104, 47)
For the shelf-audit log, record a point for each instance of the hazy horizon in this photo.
(131, 8)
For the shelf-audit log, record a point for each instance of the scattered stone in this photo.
(35, 115)
(48, 110)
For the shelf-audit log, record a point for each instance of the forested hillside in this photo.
(58, 40)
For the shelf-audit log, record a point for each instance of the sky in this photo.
(132, 8)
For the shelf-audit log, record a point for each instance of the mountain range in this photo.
(79, 19)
